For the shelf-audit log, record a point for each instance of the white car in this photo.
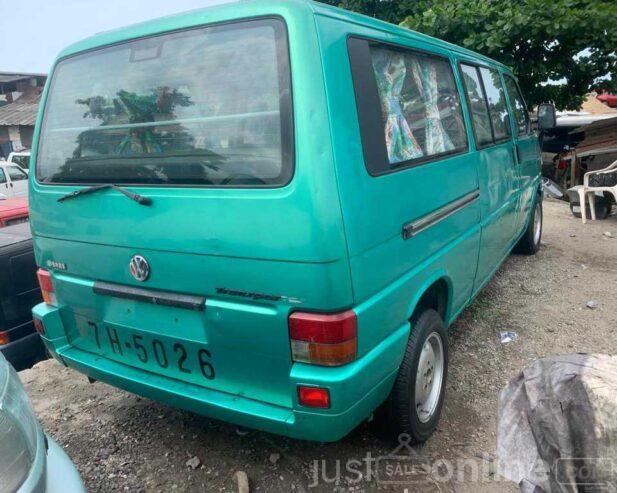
(13, 180)
(21, 159)
(30, 462)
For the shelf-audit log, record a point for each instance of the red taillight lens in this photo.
(314, 397)
(323, 339)
(47, 286)
(39, 327)
(4, 338)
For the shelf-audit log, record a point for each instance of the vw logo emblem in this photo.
(139, 267)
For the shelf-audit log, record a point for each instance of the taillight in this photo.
(4, 338)
(323, 339)
(47, 286)
(38, 326)
(314, 397)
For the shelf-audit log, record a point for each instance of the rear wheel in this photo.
(529, 243)
(414, 405)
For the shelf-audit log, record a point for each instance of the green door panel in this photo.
(527, 150)
(499, 204)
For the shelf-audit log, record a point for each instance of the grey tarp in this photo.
(557, 427)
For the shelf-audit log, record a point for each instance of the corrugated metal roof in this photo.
(12, 77)
(19, 114)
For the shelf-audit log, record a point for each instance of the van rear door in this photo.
(197, 285)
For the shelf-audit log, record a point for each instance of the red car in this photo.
(608, 99)
(13, 211)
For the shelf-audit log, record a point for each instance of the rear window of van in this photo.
(201, 107)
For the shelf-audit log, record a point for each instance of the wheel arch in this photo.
(435, 293)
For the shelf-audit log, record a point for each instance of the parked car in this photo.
(13, 211)
(30, 461)
(284, 257)
(21, 159)
(19, 292)
(13, 180)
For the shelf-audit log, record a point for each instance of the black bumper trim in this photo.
(166, 298)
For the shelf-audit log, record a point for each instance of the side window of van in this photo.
(408, 105)
(477, 105)
(2, 176)
(496, 97)
(517, 103)
(487, 102)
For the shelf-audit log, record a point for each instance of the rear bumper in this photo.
(355, 389)
(23, 352)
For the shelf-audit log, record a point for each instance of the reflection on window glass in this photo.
(497, 103)
(477, 102)
(16, 174)
(518, 106)
(420, 104)
(208, 106)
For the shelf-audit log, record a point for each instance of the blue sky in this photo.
(32, 32)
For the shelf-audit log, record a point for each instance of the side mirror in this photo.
(547, 116)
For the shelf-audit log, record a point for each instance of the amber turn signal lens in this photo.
(4, 338)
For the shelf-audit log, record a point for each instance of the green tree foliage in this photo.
(559, 49)
(394, 11)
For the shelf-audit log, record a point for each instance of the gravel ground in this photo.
(121, 442)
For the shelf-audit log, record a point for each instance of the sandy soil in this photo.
(121, 442)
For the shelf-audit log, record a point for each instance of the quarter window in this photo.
(487, 104)
(517, 103)
(496, 98)
(420, 106)
(477, 105)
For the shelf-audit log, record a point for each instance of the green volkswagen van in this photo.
(269, 212)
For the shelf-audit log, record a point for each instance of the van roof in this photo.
(248, 8)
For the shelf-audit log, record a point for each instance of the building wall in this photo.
(15, 138)
(25, 134)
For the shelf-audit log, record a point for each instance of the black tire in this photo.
(399, 414)
(604, 207)
(530, 242)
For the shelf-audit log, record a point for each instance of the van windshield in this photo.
(201, 107)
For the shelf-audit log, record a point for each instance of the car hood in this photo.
(15, 204)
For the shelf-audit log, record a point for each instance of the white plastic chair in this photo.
(587, 191)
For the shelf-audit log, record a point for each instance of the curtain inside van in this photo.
(391, 71)
(425, 77)
(420, 104)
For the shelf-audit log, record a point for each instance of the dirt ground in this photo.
(121, 442)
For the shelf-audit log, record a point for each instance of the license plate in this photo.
(158, 354)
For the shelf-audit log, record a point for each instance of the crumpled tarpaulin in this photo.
(557, 427)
